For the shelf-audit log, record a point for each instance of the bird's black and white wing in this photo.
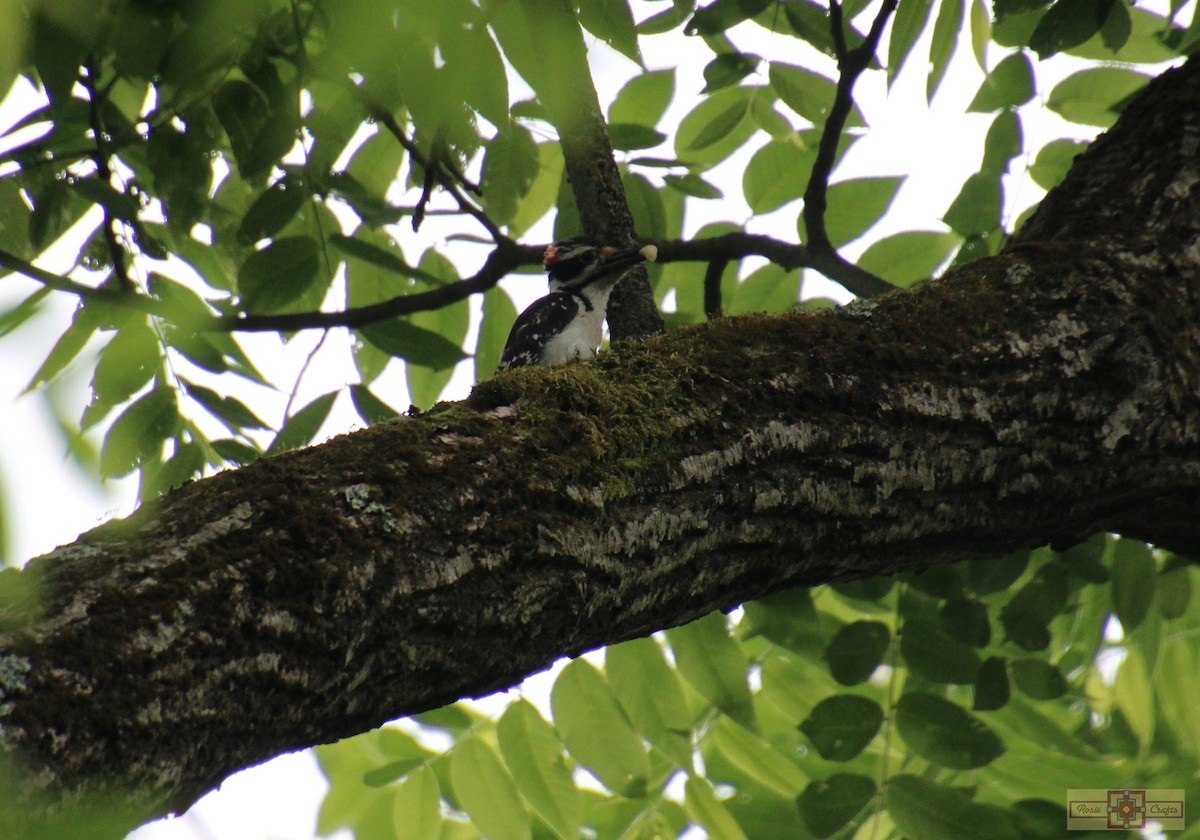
(537, 329)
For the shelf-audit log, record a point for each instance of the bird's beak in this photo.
(618, 260)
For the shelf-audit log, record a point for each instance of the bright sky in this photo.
(50, 502)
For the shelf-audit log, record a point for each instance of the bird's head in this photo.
(581, 260)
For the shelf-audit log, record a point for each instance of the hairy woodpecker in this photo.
(569, 321)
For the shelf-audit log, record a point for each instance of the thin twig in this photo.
(62, 284)
(450, 182)
(101, 157)
(505, 258)
(824, 257)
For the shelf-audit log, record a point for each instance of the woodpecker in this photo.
(569, 321)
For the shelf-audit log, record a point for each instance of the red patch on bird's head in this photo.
(550, 257)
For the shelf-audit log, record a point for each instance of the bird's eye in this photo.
(588, 256)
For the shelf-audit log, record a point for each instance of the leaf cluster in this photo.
(961, 700)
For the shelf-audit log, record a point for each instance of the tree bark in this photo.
(1039, 396)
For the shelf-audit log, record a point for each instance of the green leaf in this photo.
(417, 345)
(966, 620)
(595, 732)
(854, 206)
(807, 93)
(242, 109)
(417, 807)
(646, 204)
(1134, 695)
(1005, 140)
(945, 733)
(498, 317)
(631, 137)
(644, 99)
(720, 15)
(138, 433)
(487, 792)
(126, 363)
(370, 408)
(841, 727)
(451, 322)
(236, 452)
(383, 253)
(693, 185)
(978, 206)
(906, 258)
(996, 574)
(76, 336)
(778, 173)
(1069, 23)
(921, 808)
(1037, 679)
(828, 805)
(936, 655)
(272, 210)
(1134, 578)
(911, 19)
(299, 429)
(981, 31)
(612, 22)
(474, 63)
(393, 770)
(716, 118)
(706, 810)
(510, 166)
(991, 688)
(1054, 160)
(715, 665)
(270, 279)
(767, 289)
(728, 69)
(534, 755)
(946, 30)
(757, 759)
(1026, 616)
(857, 650)
(540, 196)
(229, 410)
(1174, 588)
(1095, 96)
(1008, 86)
(651, 695)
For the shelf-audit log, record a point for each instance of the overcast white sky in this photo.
(49, 501)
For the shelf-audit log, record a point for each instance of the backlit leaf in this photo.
(596, 732)
(829, 804)
(487, 791)
(715, 665)
(945, 733)
(534, 755)
(270, 279)
(1095, 96)
(841, 727)
(905, 258)
(1009, 85)
(299, 429)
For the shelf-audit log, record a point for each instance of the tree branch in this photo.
(506, 257)
(822, 255)
(100, 156)
(436, 168)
